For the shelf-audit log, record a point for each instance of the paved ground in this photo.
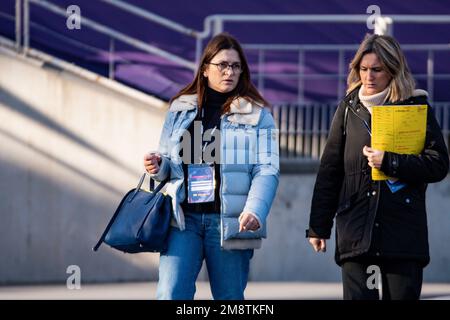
(147, 290)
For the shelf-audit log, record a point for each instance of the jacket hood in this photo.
(420, 92)
(241, 111)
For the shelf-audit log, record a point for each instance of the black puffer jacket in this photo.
(370, 219)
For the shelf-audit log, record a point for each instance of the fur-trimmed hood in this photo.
(241, 110)
(419, 93)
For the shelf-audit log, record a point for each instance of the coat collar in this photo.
(419, 93)
(352, 97)
(241, 111)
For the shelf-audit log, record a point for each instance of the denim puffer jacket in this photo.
(249, 166)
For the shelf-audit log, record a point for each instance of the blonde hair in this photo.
(393, 61)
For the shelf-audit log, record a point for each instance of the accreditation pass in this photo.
(200, 183)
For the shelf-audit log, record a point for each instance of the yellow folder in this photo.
(399, 129)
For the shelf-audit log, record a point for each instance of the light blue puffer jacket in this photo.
(249, 166)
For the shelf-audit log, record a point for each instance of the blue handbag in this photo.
(141, 222)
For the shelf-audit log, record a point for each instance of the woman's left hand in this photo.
(248, 222)
(375, 157)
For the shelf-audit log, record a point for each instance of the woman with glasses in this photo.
(381, 226)
(219, 150)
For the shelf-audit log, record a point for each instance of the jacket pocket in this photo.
(230, 230)
(351, 219)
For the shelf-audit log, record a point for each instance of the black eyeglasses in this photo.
(222, 66)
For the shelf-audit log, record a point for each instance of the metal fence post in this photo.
(198, 51)
(301, 79)
(111, 58)
(18, 24)
(430, 75)
(217, 26)
(341, 74)
(26, 26)
(261, 74)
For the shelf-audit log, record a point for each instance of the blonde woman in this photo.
(380, 225)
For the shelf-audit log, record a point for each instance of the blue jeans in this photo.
(180, 264)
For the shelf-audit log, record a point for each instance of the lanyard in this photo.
(205, 144)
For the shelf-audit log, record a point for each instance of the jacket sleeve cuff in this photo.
(164, 169)
(390, 164)
(255, 216)
(311, 233)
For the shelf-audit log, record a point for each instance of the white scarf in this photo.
(376, 99)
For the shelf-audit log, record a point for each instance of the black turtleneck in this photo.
(212, 108)
(211, 111)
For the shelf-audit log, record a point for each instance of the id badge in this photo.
(200, 183)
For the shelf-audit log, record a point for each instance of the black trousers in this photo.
(400, 279)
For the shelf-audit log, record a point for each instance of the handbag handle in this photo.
(152, 184)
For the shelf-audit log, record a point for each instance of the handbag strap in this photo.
(152, 184)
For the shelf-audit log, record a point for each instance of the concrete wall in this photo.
(71, 146)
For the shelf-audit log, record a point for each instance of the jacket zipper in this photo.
(221, 180)
(378, 194)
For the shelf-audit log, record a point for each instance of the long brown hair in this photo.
(393, 62)
(245, 88)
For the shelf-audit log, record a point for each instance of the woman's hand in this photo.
(248, 222)
(151, 162)
(375, 157)
(318, 244)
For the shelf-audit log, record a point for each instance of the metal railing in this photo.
(199, 36)
(304, 128)
(23, 34)
(218, 20)
(442, 113)
(301, 50)
(216, 23)
(383, 24)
